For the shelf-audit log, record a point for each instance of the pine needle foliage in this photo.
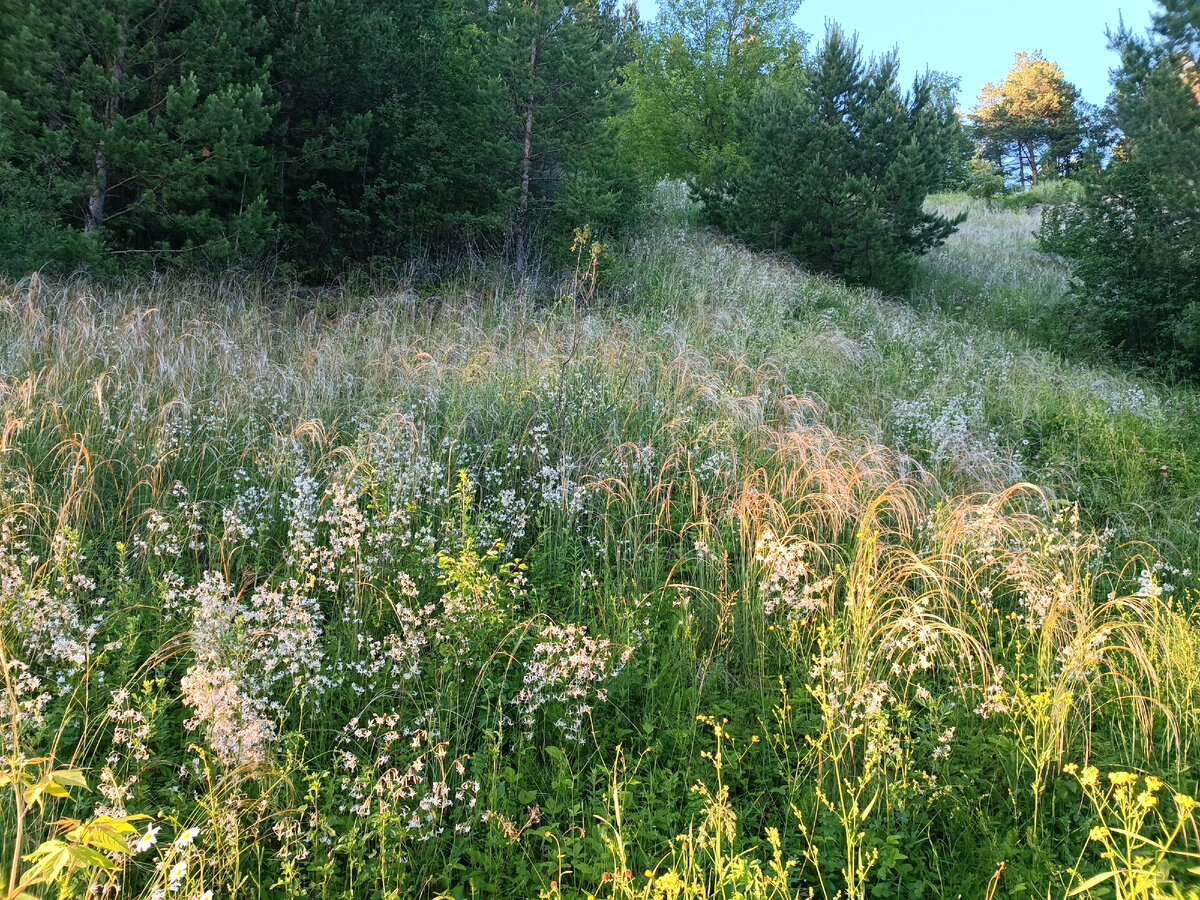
(839, 164)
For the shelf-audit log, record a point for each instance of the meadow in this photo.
(685, 575)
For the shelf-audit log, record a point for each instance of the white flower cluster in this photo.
(567, 668)
(954, 432)
(23, 707)
(788, 585)
(405, 775)
(44, 605)
(250, 655)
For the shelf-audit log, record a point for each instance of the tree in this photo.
(387, 136)
(839, 165)
(558, 64)
(1133, 240)
(694, 65)
(139, 123)
(1030, 114)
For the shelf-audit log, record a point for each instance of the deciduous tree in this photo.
(694, 65)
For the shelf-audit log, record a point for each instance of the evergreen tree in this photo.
(558, 64)
(1133, 241)
(1030, 116)
(36, 184)
(139, 123)
(383, 139)
(839, 167)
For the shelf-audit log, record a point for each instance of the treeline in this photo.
(327, 132)
(322, 131)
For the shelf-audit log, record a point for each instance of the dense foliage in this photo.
(838, 167)
(695, 64)
(331, 133)
(1133, 241)
(326, 131)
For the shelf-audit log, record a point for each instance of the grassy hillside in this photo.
(689, 576)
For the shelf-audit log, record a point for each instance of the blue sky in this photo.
(976, 41)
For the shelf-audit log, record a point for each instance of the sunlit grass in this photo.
(411, 593)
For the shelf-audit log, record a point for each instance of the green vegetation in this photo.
(734, 588)
(1133, 240)
(566, 546)
(695, 65)
(838, 166)
(325, 132)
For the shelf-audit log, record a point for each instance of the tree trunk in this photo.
(95, 207)
(285, 91)
(94, 217)
(521, 227)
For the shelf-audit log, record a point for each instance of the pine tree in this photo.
(558, 63)
(1133, 241)
(144, 117)
(1032, 114)
(839, 165)
(388, 134)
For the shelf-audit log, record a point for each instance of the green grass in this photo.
(721, 580)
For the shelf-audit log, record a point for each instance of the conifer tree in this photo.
(145, 118)
(839, 165)
(558, 64)
(1031, 114)
(1133, 241)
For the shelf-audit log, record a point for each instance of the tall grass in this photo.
(498, 592)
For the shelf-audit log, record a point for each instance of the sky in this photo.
(976, 41)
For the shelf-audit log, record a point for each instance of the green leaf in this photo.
(51, 858)
(69, 778)
(1091, 883)
(88, 857)
(108, 840)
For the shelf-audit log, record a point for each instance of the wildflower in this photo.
(185, 840)
(176, 875)
(1098, 833)
(147, 840)
(1088, 776)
